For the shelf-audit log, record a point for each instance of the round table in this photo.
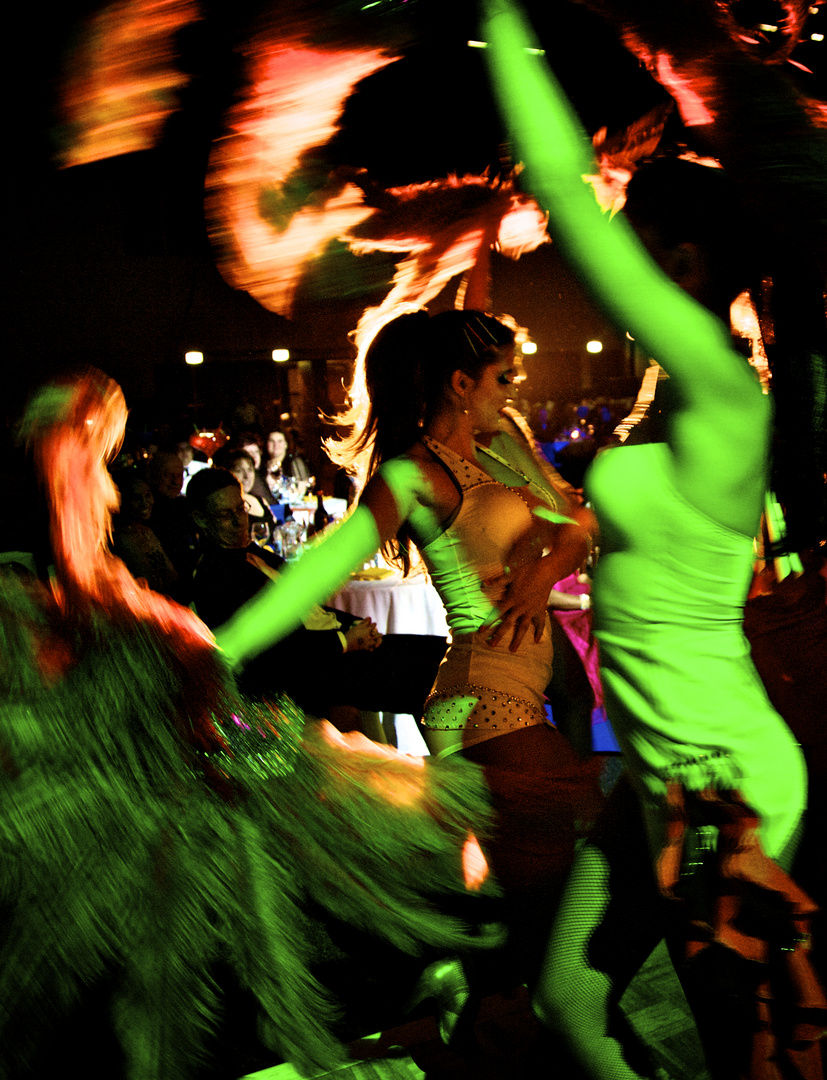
(397, 605)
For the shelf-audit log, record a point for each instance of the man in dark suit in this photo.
(335, 659)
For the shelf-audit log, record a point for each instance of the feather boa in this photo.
(154, 824)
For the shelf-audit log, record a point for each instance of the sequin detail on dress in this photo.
(261, 737)
(447, 710)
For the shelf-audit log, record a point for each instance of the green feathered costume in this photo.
(154, 824)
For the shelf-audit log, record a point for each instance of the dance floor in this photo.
(509, 1047)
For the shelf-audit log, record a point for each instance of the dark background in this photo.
(110, 264)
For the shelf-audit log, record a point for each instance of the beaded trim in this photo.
(466, 483)
(465, 468)
(508, 702)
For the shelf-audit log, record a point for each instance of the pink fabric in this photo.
(578, 628)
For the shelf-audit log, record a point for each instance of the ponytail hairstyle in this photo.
(402, 372)
(401, 375)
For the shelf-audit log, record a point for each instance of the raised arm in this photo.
(557, 155)
(722, 404)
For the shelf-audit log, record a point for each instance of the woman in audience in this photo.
(252, 443)
(240, 464)
(157, 829)
(280, 465)
(703, 747)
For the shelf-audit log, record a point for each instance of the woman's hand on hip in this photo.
(523, 607)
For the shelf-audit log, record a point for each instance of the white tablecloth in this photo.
(398, 606)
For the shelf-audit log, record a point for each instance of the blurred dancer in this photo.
(716, 772)
(154, 824)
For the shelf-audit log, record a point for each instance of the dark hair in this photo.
(685, 202)
(248, 438)
(399, 381)
(205, 483)
(233, 456)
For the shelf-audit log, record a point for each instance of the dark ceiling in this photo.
(110, 264)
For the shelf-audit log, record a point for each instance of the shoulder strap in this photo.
(465, 474)
(539, 492)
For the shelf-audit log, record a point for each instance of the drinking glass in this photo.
(260, 532)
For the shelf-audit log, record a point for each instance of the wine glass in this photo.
(260, 533)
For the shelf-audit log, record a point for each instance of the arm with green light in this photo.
(722, 404)
(278, 608)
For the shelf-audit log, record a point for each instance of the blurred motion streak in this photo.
(277, 194)
(122, 82)
(273, 209)
(274, 198)
(262, 227)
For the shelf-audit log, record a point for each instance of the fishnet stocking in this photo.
(575, 995)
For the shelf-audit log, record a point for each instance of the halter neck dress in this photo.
(466, 562)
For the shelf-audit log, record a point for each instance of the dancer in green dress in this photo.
(706, 753)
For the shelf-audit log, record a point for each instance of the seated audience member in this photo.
(170, 520)
(134, 541)
(334, 659)
(257, 497)
(280, 464)
(191, 464)
(252, 442)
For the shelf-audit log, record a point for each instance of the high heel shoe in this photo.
(446, 984)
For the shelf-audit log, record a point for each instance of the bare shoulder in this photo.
(437, 495)
(410, 478)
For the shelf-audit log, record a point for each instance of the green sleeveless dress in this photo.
(682, 694)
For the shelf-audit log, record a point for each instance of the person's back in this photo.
(719, 777)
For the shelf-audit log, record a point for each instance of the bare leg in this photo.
(542, 794)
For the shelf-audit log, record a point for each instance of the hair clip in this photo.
(468, 330)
